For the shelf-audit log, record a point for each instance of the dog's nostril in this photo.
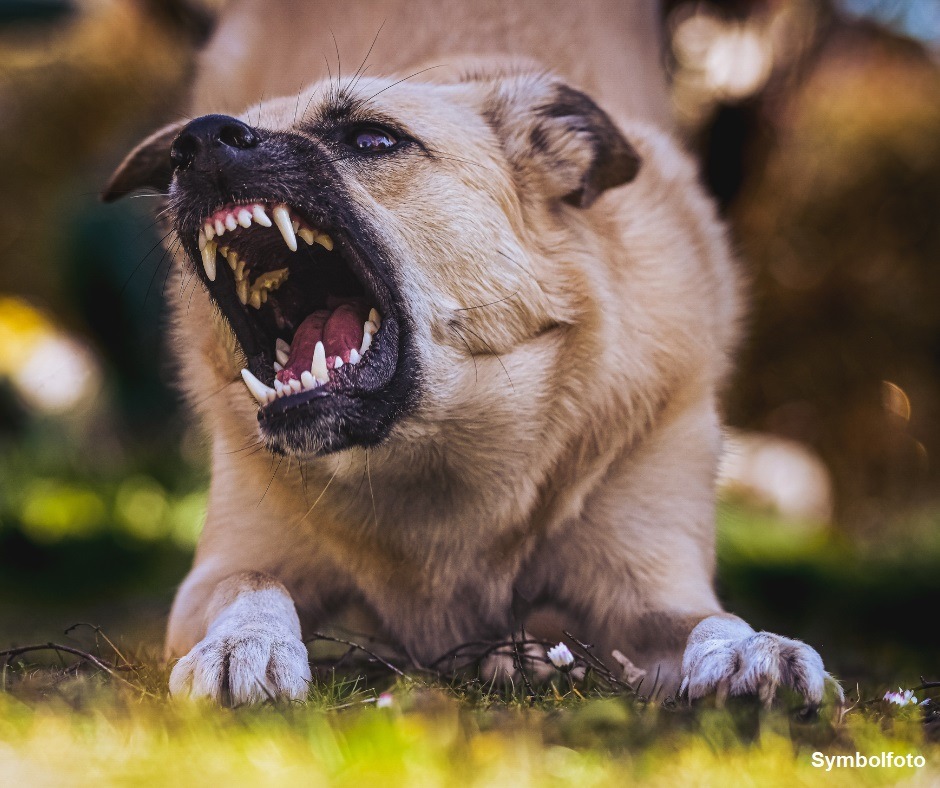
(183, 151)
(237, 135)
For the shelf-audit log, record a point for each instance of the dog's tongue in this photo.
(340, 330)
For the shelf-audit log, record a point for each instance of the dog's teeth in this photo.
(208, 259)
(308, 381)
(296, 386)
(255, 299)
(370, 328)
(295, 224)
(325, 241)
(260, 216)
(219, 228)
(230, 222)
(244, 217)
(260, 392)
(278, 366)
(201, 240)
(366, 342)
(338, 363)
(282, 351)
(283, 222)
(354, 357)
(241, 288)
(232, 258)
(307, 235)
(375, 318)
(278, 388)
(264, 295)
(240, 270)
(209, 231)
(318, 366)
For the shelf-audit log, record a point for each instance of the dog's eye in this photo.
(371, 139)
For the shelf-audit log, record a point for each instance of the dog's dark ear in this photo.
(148, 166)
(558, 137)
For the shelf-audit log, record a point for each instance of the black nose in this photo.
(210, 136)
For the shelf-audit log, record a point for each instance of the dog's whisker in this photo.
(270, 481)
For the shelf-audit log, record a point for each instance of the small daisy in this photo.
(561, 657)
(901, 697)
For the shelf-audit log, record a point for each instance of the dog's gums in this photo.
(321, 341)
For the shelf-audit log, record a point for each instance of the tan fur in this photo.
(566, 443)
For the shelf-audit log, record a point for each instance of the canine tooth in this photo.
(307, 234)
(308, 381)
(209, 231)
(318, 365)
(278, 366)
(375, 318)
(201, 240)
(325, 241)
(255, 299)
(354, 357)
(240, 270)
(370, 327)
(257, 388)
(283, 222)
(232, 258)
(366, 342)
(230, 222)
(244, 217)
(282, 351)
(296, 386)
(241, 287)
(208, 259)
(260, 216)
(219, 227)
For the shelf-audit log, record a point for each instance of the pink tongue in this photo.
(343, 331)
(339, 330)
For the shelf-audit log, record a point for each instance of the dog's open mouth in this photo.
(310, 314)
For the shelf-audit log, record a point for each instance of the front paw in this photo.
(755, 663)
(237, 664)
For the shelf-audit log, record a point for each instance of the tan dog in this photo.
(485, 322)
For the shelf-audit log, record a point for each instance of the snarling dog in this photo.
(485, 324)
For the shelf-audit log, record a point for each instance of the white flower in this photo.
(901, 697)
(384, 701)
(561, 657)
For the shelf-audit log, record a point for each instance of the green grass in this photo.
(62, 725)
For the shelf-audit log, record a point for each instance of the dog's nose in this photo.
(210, 136)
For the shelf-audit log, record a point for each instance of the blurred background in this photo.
(817, 124)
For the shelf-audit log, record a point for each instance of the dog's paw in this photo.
(753, 663)
(240, 666)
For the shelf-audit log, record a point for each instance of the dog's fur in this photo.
(572, 324)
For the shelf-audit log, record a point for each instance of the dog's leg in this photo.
(637, 569)
(252, 649)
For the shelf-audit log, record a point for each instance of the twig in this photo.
(376, 657)
(111, 670)
(520, 665)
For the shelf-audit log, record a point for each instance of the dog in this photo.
(458, 339)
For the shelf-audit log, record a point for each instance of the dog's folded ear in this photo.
(147, 166)
(558, 140)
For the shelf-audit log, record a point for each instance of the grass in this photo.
(71, 724)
